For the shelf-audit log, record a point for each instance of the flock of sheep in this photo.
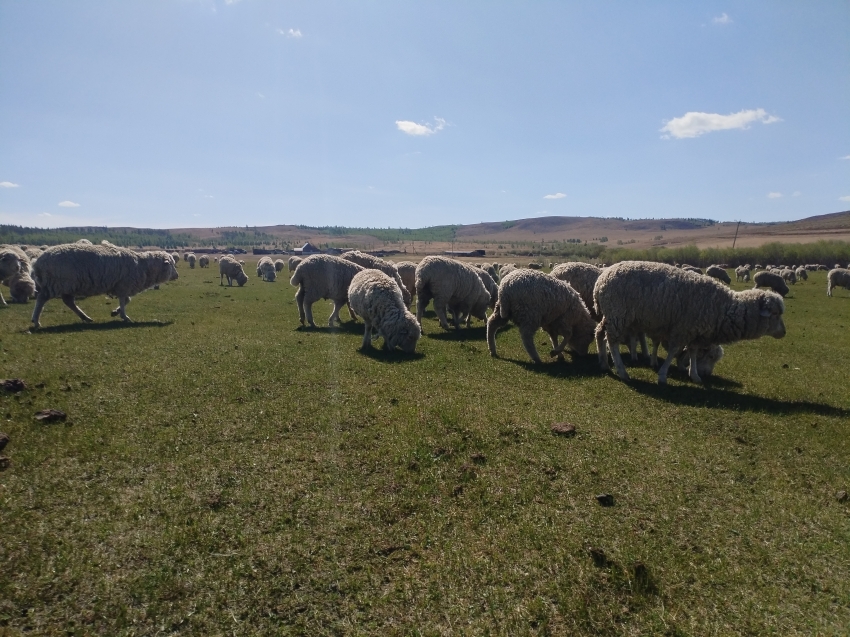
(689, 313)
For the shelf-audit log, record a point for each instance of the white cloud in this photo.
(845, 157)
(8, 184)
(844, 198)
(557, 195)
(774, 195)
(260, 95)
(291, 33)
(796, 193)
(694, 124)
(68, 204)
(722, 19)
(412, 128)
(44, 214)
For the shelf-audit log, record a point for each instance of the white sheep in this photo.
(716, 272)
(323, 276)
(377, 299)
(789, 275)
(12, 261)
(691, 268)
(368, 261)
(293, 263)
(490, 285)
(767, 279)
(533, 300)
(186, 256)
(680, 308)
(837, 278)
(266, 269)
(176, 257)
(742, 274)
(407, 272)
(78, 269)
(802, 274)
(505, 270)
(191, 259)
(21, 287)
(232, 269)
(279, 265)
(582, 277)
(203, 261)
(453, 285)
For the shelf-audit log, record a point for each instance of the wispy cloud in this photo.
(412, 128)
(844, 198)
(845, 157)
(260, 95)
(722, 19)
(68, 204)
(796, 193)
(291, 33)
(774, 195)
(694, 124)
(557, 195)
(8, 184)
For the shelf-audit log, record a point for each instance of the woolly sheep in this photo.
(535, 266)
(758, 266)
(176, 257)
(691, 268)
(533, 300)
(232, 269)
(377, 299)
(266, 269)
(407, 272)
(801, 273)
(191, 258)
(491, 286)
(203, 261)
(680, 308)
(582, 277)
(707, 358)
(837, 278)
(368, 261)
(742, 274)
(492, 271)
(788, 275)
(84, 242)
(293, 263)
(452, 285)
(716, 272)
(765, 279)
(12, 262)
(505, 270)
(279, 265)
(33, 253)
(78, 269)
(21, 287)
(186, 256)
(323, 276)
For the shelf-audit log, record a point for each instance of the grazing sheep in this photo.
(323, 276)
(78, 269)
(802, 274)
(12, 261)
(491, 286)
(453, 285)
(837, 278)
(176, 257)
(192, 259)
(33, 253)
(505, 270)
(492, 271)
(279, 265)
(766, 279)
(232, 269)
(742, 274)
(368, 261)
(533, 300)
(377, 299)
(186, 256)
(758, 266)
(21, 287)
(788, 275)
(293, 263)
(203, 261)
(691, 268)
(716, 272)
(582, 277)
(84, 242)
(679, 308)
(535, 266)
(266, 270)
(407, 272)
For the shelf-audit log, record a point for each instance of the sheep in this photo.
(742, 274)
(407, 272)
(323, 276)
(203, 261)
(293, 263)
(766, 279)
(534, 300)
(535, 266)
(266, 269)
(802, 274)
(491, 286)
(691, 268)
(191, 258)
(368, 261)
(230, 268)
(492, 271)
(176, 257)
(77, 269)
(21, 287)
(716, 272)
(837, 278)
(788, 275)
(758, 266)
(707, 358)
(452, 285)
(582, 277)
(680, 308)
(186, 256)
(33, 253)
(12, 261)
(83, 242)
(377, 299)
(279, 265)
(505, 270)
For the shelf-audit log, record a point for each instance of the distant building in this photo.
(307, 248)
(464, 253)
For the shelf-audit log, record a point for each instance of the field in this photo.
(223, 471)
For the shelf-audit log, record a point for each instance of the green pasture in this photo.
(224, 471)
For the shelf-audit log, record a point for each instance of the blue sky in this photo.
(178, 113)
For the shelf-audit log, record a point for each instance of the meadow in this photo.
(224, 471)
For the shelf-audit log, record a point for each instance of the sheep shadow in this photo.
(712, 396)
(97, 327)
(463, 334)
(571, 366)
(390, 356)
(348, 327)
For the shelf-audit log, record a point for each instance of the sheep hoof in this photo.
(114, 313)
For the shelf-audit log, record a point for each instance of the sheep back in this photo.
(451, 284)
(582, 277)
(369, 261)
(766, 279)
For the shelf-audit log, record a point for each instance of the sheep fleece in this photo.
(377, 299)
(451, 284)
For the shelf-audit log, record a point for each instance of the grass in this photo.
(223, 471)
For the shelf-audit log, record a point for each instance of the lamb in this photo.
(452, 285)
(21, 287)
(323, 276)
(407, 272)
(582, 277)
(801, 273)
(293, 263)
(230, 268)
(534, 300)
(377, 299)
(716, 272)
(707, 358)
(837, 278)
(191, 258)
(788, 275)
(77, 269)
(368, 261)
(680, 308)
(203, 261)
(766, 279)
(279, 265)
(266, 269)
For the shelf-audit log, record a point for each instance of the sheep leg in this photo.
(601, 348)
(440, 309)
(39, 306)
(694, 372)
(643, 347)
(672, 352)
(633, 349)
(2, 300)
(68, 299)
(423, 297)
(558, 349)
(618, 360)
(122, 308)
(350, 312)
(527, 336)
(299, 301)
(308, 313)
(653, 358)
(367, 337)
(335, 314)
(493, 324)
